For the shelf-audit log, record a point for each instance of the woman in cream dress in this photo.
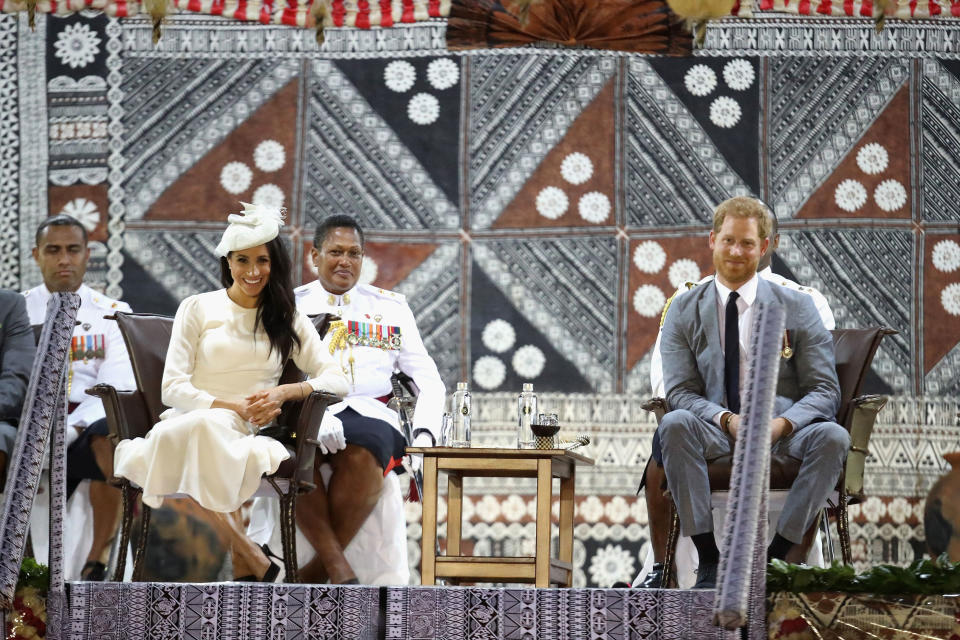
(226, 354)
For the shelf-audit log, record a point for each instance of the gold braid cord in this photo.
(338, 342)
(663, 314)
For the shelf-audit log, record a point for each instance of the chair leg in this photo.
(141, 550)
(288, 534)
(670, 554)
(827, 538)
(843, 530)
(126, 495)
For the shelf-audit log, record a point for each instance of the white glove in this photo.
(330, 438)
(422, 440)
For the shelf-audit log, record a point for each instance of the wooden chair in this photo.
(131, 414)
(854, 351)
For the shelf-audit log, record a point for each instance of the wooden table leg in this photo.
(454, 513)
(565, 547)
(544, 496)
(428, 546)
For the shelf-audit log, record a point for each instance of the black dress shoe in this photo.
(94, 571)
(706, 576)
(654, 579)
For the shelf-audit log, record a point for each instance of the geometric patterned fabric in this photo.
(535, 206)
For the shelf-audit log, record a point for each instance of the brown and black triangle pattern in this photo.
(432, 290)
(566, 289)
(177, 109)
(818, 109)
(940, 139)
(520, 107)
(675, 172)
(357, 163)
(871, 289)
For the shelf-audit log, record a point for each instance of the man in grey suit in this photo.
(703, 374)
(16, 359)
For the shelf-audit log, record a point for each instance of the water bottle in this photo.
(526, 413)
(460, 433)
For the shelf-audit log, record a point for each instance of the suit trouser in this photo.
(689, 442)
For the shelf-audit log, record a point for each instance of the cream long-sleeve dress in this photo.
(212, 454)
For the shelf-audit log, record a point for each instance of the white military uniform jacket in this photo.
(98, 354)
(823, 308)
(385, 339)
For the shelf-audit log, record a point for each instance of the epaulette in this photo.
(666, 305)
(386, 294)
(104, 302)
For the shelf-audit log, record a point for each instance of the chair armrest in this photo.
(658, 406)
(310, 415)
(127, 414)
(860, 424)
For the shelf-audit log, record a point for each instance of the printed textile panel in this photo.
(502, 614)
(537, 207)
(154, 610)
(836, 616)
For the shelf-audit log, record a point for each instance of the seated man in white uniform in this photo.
(356, 522)
(97, 355)
(651, 576)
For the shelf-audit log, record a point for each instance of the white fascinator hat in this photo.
(255, 225)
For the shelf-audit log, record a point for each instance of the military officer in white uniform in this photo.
(361, 437)
(97, 355)
(686, 563)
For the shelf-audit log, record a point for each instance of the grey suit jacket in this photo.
(17, 349)
(807, 387)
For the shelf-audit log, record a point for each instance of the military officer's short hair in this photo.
(59, 220)
(333, 222)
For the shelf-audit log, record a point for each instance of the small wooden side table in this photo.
(458, 463)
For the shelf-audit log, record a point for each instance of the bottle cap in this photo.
(461, 386)
(528, 386)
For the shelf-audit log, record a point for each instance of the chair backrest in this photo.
(147, 337)
(854, 350)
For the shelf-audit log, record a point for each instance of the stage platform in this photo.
(241, 611)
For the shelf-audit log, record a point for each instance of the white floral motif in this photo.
(617, 510)
(850, 195)
(899, 510)
(489, 372)
(873, 509)
(648, 300)
(946, 256)
(528, 361)
(368, 271)
(552, 202)
(738, 74)
(514, 508)
(399, 76)
(700, 80)
(488, 508)
(872, 158)
(950, 298)
(269, 195)
(576, 168)
(610, 564)
(724, 112)
(235, 177)
(591, 509)
(594, 207)
(682, 271)
(269, 156)
(423, 109)
(649, 256)
(498, 335)
(443, 73)
(890, 195)
(77, 45)
(85, 211)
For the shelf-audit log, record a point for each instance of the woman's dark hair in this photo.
(276, 307)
